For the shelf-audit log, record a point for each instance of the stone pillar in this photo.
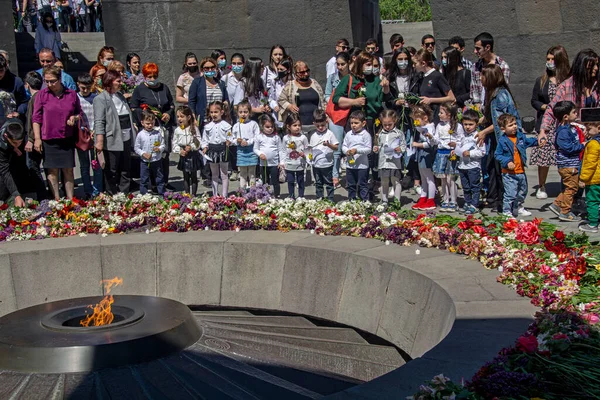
(164, 31)
(523, 32)
(7, 33)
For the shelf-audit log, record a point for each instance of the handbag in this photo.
(84, 136)
(338, 115)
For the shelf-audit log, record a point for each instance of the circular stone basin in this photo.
(47, 338)
(69, 319)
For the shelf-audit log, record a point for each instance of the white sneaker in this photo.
(507, 214)
(523, 212)
(541, 194)
(391, 192)
(418, 190)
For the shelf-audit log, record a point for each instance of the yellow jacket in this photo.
(590, 173)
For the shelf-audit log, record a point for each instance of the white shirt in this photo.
(231, 85)
(322, 156)
(146, 141)
(387, 142)
(360, 141)
(185, 137)
(442, 135)
(121, 110)
(216, 133)
(331, 66)
(247, 131)
(270, 146)
(292, 146)
(476, 152)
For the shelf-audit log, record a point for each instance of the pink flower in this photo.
(527, 344)
(546, 270)
(560, 336)
(528, 232)
(591, 318)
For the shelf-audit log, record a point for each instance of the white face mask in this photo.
(49, 25)
(368, 70)
(402, 64)
(375, 71)
(550, 66)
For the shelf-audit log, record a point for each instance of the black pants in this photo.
(34, 161)
(495, 187)
(270, 175)
(117, 177)
(233, 158)
(64, 19)
(323, 177)
(292, 177)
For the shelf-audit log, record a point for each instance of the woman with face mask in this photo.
(96, 73)
(458, 77)
(556, 71)
(342, 62)
(47, 36)
(284, 75)
(221, 58)
(233, 80)
(155, 94)
(191, 70)
(362, 90)
(270, 72)
(205, 89)
(105, 56)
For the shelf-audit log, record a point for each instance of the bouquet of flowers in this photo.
(8, 103)
(469, 106)
(410, 98)
(131, 83)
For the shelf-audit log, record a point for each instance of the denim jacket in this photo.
(503, 103)
(332, 81)
(505, 152)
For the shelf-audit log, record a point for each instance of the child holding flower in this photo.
(322, 145)
(215, 142)
(268, 147)
(357, 147)
(390, 144)
(186, 144)
(424, 147)
(149, 145)
(448, 133)
(469, 167)
(293, 156)
(245, 132)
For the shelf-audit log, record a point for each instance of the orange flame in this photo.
(102, 314)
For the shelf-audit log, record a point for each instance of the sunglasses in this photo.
(430, 44)
(303, 72)
(51, 81)
(343, 47)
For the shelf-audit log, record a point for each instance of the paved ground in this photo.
(539, 208)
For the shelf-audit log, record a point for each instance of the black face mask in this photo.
(282, 74)
(304, 78)
(193, 69)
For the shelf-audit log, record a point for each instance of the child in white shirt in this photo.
(390, 144)
(293, 155)
(469, 166)
(356, 147)
(268, 148)
(322, 145)
(245, 131)
(215, 142)
(186, 143)
(149, 145)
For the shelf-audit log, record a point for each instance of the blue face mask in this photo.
(237, 69)
(444, 62)
(222, 63)
(210, 74)
(151, 82)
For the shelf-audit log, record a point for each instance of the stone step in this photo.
(209, 380)
(383, 355)
(341, 334)
(324, 362)
(235, 313)
(260, 320)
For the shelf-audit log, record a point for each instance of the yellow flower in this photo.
(182, 127)
(229, 133)
(241, 120)
(292, 145)
(111, 229)
(156, 144)
(597, 266)
(451, 131)
(417, 122)
(351, 161)
(310, 156)
(377, 122)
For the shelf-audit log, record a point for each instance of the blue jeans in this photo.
(470, 180)
(292, 178)
(84, 168)
(154, 168)
(338, 132)
(515, 191)
(323, 176)
(360, 178)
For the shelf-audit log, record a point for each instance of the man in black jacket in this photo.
(14, 175)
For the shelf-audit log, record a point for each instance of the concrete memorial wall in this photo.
(163, 31)
(523, 31)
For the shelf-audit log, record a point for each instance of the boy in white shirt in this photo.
(322, 145)
(469, 166)
(149, 145)
(357, 145)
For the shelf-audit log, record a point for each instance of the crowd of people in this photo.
(405, 121)
(65, 15)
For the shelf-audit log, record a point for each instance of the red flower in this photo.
(479, 229)
(266, 93)
(4, 206)
(144, 106)
(559, 235)
(527, 344)
(510, 225)
(528, 232)
(273, 216)
(359, 85)
(175, 206)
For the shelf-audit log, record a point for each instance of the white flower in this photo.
(387, 242)
(312, 231)
(417, 251)
(104, 234)
(237, 229)
(147, 231)
(206, 228)
(82, 234)
(500, 268)
(530, 275)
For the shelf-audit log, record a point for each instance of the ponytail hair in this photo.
(387, 113)
(223, 106)
(451, 109)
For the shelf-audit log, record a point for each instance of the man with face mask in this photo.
(484, 50)
(48, 59)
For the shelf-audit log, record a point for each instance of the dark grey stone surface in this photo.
(7, 36)
(523, 31)
(164, 31)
